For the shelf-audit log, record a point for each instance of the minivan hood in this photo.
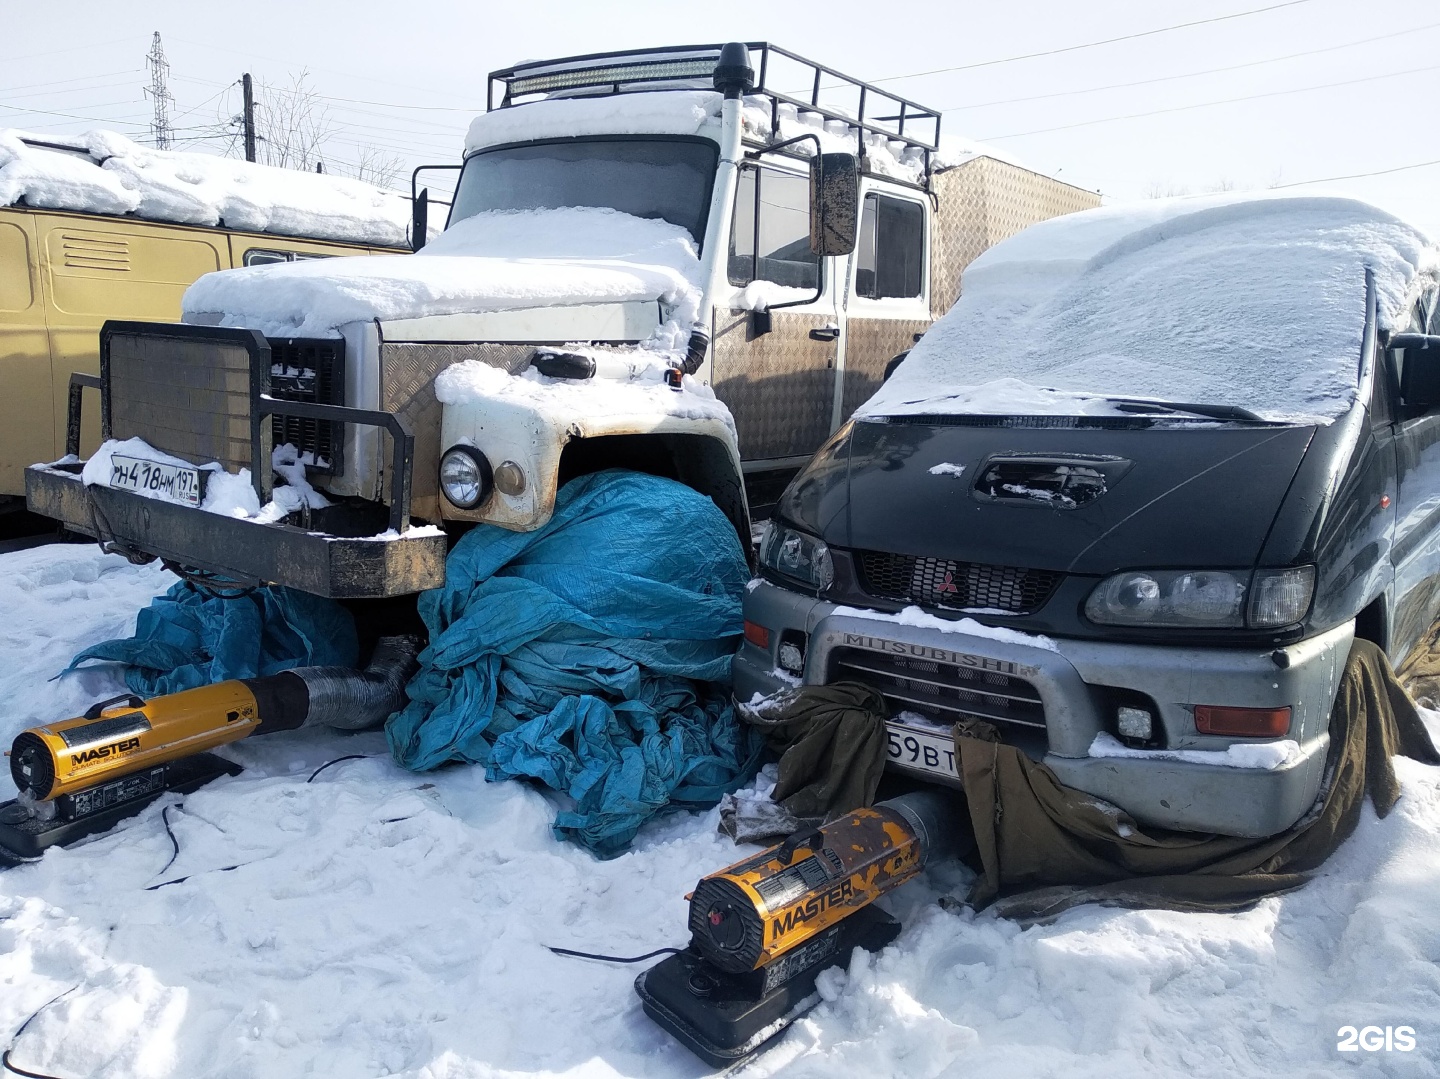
(1164, 496)
(489, 262)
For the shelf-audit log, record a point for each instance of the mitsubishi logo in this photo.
(948, 584)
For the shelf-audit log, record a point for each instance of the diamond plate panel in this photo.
(407, 388)
(982, 202)
(871, 343)
(779, 386)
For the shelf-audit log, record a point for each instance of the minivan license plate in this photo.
(180, 484)
(916, 749)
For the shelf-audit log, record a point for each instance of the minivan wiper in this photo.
(1141, 405)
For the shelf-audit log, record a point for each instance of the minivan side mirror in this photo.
(1420, 370)
(834, 203)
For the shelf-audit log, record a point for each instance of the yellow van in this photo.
(63, 272)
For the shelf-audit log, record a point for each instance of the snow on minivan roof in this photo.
(1249, 300)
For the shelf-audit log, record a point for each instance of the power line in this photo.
(1359, 175)
(1194, 74)
(1095, 44)
(75, 116)
(72, 48)
(1210, 104)
(72, 90)
(64, 82)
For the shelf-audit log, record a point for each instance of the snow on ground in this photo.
(105, 173)
(492, 261)
(385, 923)
(1256, 301)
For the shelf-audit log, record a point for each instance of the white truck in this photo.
(670, 260)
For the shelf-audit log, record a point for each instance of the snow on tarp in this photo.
(1256, 301)
(319, 954)
(493, 261)
(117, 176)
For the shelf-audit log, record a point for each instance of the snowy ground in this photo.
(383, 923)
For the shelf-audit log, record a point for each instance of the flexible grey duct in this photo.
(338, 696)
(358, 700)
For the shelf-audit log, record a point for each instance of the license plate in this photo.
(176, 482)
(916, 749)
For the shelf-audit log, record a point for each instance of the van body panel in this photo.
(24, 355)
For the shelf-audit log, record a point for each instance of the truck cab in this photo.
(660, 260)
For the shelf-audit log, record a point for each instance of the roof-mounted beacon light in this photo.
(734, 77)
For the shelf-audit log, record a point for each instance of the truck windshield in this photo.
(666, 178)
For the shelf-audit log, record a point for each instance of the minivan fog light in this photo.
(465, 477)
(1136, 723)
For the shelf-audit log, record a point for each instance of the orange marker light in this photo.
(757, 635)
(1242, 722)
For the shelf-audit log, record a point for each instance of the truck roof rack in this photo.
(811, 87)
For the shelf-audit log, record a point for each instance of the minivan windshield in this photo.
(665, 178)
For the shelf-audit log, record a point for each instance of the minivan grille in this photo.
(309, 369)
(941, 582)
(942, 691)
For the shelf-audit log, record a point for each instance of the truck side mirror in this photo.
(1419, 369)
(419, 219)
(834, 203)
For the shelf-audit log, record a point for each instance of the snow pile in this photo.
(677, 112)
(1264, 756)
(921, 619)
(226, 493)
(377, 922)
(576, 403)
(1256, 301)
(118, 176)
(489, 262)
(686, 112)
(945, 468)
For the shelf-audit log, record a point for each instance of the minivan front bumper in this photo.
(1076, 682)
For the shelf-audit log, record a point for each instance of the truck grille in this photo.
(940, 582)
(309, 369)
(942, 691)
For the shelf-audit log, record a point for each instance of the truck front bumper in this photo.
(249, 552)
(1075, 682)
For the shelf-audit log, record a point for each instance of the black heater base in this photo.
(724, 1018)
(24, 836)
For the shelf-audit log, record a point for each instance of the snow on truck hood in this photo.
(1256, 301)
(489, 262)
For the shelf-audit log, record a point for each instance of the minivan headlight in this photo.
(1203, 598)
(803, 559)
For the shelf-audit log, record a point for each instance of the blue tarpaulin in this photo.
(592, 654)
(186, 638)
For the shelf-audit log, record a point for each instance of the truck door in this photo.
(780, 383)
(887, 304)
(25, 435)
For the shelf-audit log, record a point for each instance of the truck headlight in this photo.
(1203, 598)
(801, 558)
(465, 477)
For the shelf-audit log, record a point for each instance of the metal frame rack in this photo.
(642, 70)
